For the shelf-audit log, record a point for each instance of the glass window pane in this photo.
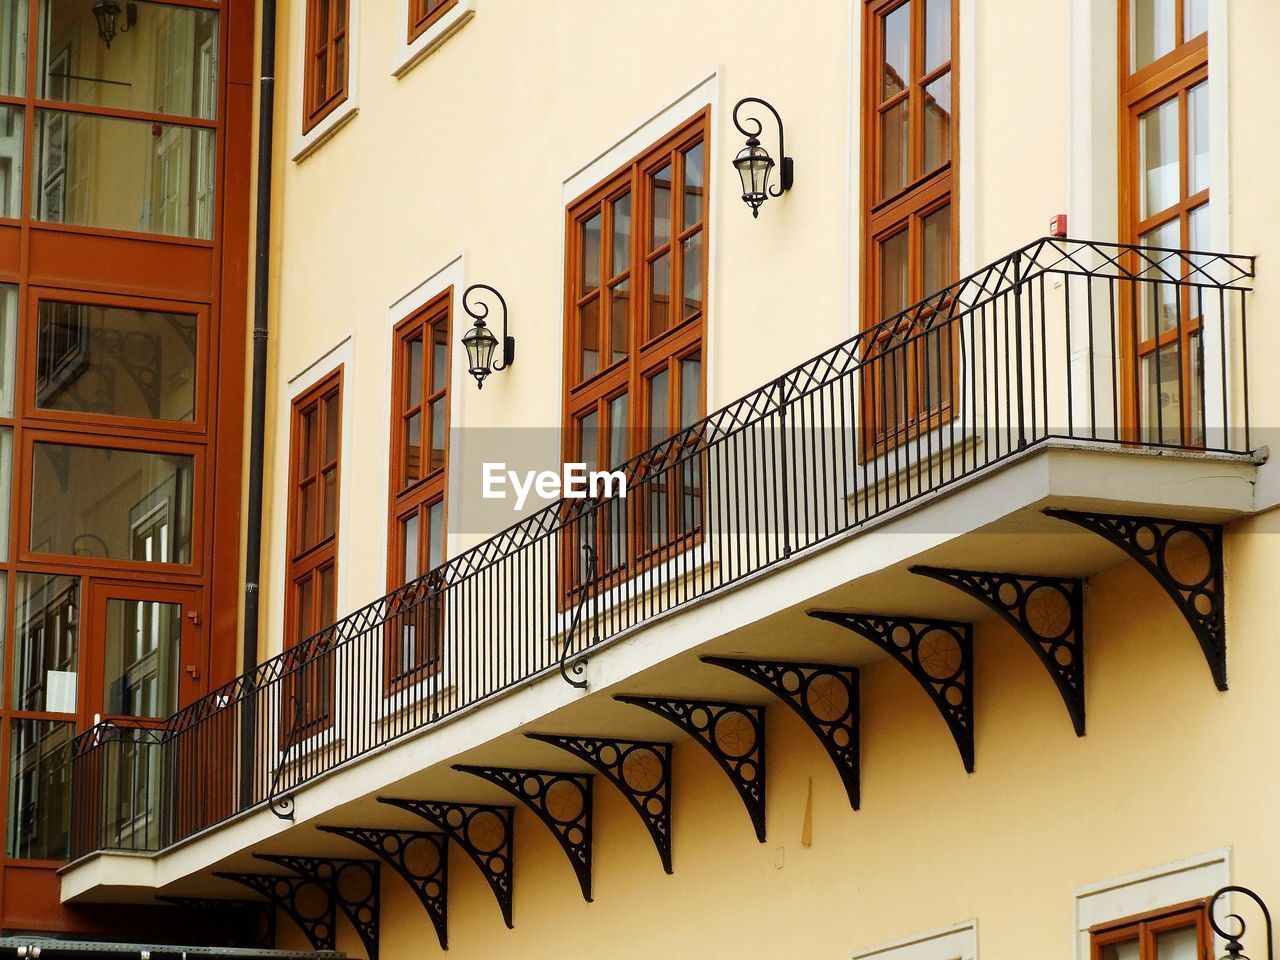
(328, 596)
(937, 251)
(160, 179)
(39, 789)
(13, 47)
(116, 360)
(409, 535)
(1158, 163)
(690, 390)
(143, 649)
(591, 253)
(435, 542)
(1125, 950)
(413, 360)
(894, 275)
(620, 320)
(895, 152)
(1198, 127)
(306, 605)
(439, 357)
(439, 434)
(618, 452)
(1159, 300)
(413, 448)
(937, 123)
(660, 295)
(659, 408)
(589, 431)
(6, 497)
(166, 61)
(621, 234)
(46, 627)
(10, 161)
(122, 504)
(694, 190)
(897, 52)
(1180, 944)
(8, 345)
(1152, 29)
(332, 428)
(937, 34)
(692, 275)
(589, 338)
(1195, 18)
(661, 208)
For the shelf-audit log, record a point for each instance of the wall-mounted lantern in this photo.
(107, 13)
(1235, 949)
(480, 341)
(753, 162)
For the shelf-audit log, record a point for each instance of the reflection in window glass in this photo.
(1153, 31)
(116, 360)
(1159, 166)
(39, 789)
(8, 327)
(10, 161)
(121, 504)
(937, 123)
(13, 47)
(143, 646)
(159, 178)
(1198, 135)
(167, 61)
(6, 496)
(46, 627)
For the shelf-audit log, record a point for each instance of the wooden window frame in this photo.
(926, 193)
(645, 355)
(419, 495)
(307, 561)
(1145, 927)
(422, 19)
(320, 41)
(1170, 77)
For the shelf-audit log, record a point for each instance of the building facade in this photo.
(123, 270)
(935, 621)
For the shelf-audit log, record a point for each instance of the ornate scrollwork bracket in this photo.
(1185, 558)
(485, 833)
(353, 887)
(824, 696)
(640, 769)
(575, 674)
(562, 801)
(306, 902)
(937, 653)
(733, 733)
(420, 858)
(1047, 612)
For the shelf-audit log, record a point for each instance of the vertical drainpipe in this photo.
(258, 391)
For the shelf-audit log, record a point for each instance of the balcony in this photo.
(1090, 399)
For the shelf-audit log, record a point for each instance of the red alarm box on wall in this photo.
(1058, 226)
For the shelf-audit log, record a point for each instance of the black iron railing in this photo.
(1136, 347)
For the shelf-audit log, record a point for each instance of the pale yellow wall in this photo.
(1170, 768)
(469, 153)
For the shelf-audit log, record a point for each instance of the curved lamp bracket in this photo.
(478, 310)
(1235, 949)
(751, 128)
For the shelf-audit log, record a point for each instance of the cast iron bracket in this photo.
(733, 733)
(353, 886)
(420, 858)
(824, 696)
(486, 833)
(937, 653)
(562, 801)
(1047, 612)
(640, 769)
(1185, 558)
(308, 903)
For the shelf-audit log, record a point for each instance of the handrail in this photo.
(792, 470)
